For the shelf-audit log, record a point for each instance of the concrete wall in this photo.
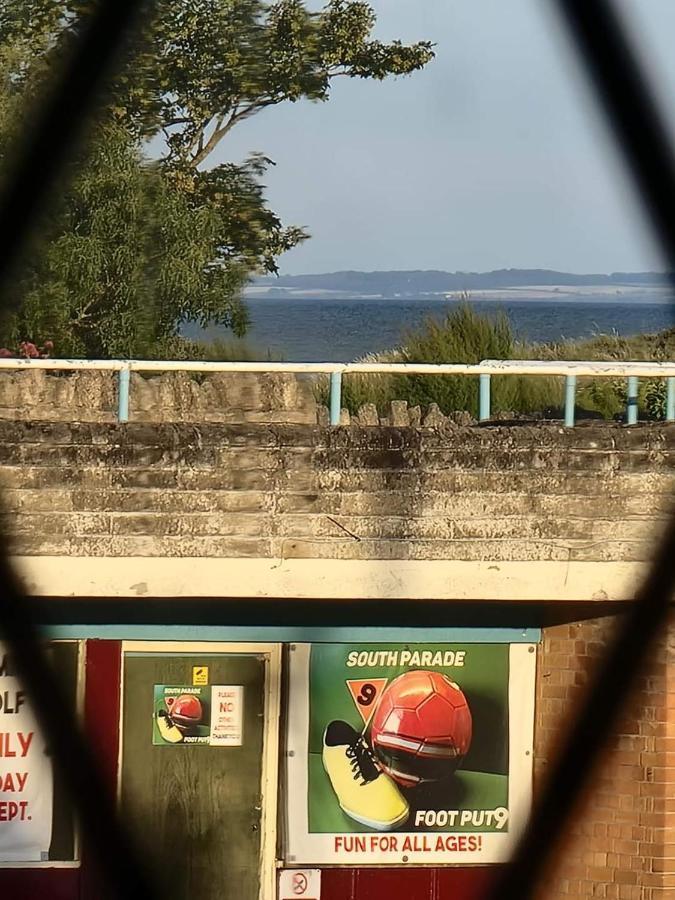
(38, 395)
(495, 494)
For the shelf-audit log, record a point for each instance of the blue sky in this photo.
(494, 156)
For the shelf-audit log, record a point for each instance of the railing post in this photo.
(484, 398)
(632, 405)
(670, 399)
(570, 399)
(123, 377)
(335, 397)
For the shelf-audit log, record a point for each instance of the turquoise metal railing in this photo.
(570, 371)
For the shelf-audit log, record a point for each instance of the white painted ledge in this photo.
(321, 579)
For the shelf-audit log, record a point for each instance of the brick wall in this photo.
(622, 842)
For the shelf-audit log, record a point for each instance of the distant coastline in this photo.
(503, 284)
(559, 293)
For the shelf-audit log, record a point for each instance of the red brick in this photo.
(620, 847)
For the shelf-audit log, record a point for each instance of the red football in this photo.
(421, 728)
(186, 711)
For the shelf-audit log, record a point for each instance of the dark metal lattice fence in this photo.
(632, 112)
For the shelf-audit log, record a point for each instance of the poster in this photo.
(408, 753)
(182, 714)
(198, 714)
(227, 715)
(26, 786)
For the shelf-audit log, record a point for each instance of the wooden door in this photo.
(195, 808)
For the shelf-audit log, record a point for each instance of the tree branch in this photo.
(222, 128)
(218, 133)
(177, 121)
(83, 313)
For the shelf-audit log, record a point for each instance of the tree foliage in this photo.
(200, 67)
(124, 259)
(135, 246)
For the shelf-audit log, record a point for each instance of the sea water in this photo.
(329, 330)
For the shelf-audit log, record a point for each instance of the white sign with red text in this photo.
(227, 715)
(26, 787)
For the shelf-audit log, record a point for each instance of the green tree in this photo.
(125, 258)
(135, 247)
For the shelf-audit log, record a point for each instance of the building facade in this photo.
(348, 650)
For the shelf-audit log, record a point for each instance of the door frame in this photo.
(269, 786)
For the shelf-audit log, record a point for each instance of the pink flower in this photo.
(28, 350)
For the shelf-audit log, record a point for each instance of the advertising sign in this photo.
(185, 714)
(26, 786)
(409, 753)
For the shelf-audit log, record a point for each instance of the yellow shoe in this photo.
(168, 731)
(364, 792)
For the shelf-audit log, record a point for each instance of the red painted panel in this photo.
(338, 884)
(31, 884)
(102, 704)
(101, 717)
(411, 884)
(469, 883)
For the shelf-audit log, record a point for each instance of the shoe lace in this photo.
(362, 761)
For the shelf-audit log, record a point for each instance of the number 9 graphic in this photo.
(367, 695)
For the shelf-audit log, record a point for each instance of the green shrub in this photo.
(463, 336)
(236, 350)
(655, 398)
(466, 336)
(605, 396)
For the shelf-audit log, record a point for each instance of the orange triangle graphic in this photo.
(365, 693)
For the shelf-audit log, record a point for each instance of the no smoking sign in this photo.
(300, 884)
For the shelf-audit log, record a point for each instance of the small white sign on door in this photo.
(227, 715)
(300, 884)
